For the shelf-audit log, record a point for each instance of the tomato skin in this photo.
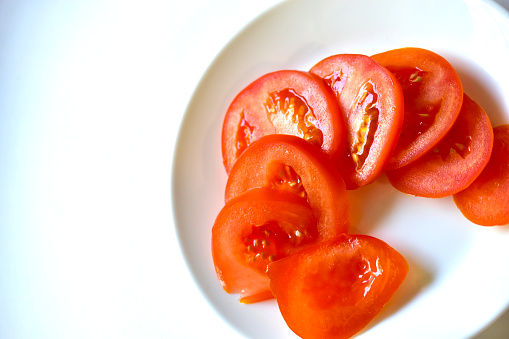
(240, 266)
(486, 201)
(323, 185)
(371, 100)
(467, 149)
(313, 114)
(433, 95)
(335, 288)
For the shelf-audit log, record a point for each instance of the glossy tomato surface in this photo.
(283, 102)
(286, 162)
(335, 288)
(486, 201)
(371, 100)
(258, 227)
(455, 162)
(433, 95)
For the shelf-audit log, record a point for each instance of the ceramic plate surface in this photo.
(458, 280)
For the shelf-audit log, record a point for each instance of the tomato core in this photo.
(244, 136)
(366, 106)
(283, 177)
(418, 118)
(336, 80)
(268, 242)
(290, 114)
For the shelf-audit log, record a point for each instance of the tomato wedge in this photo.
(486, 201)
(283, 102)
(455, 162)
(254, 229)
(335, 288)
(371, 100)
(433, 95)
(287, 162)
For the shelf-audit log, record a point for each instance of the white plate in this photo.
(458, 280)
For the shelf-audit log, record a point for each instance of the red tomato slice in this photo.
(335, 288)
(253, 229)
(371, 100)
(433, 94)
(286, 162)
(455, 161)
(283, 102)
(486, 201)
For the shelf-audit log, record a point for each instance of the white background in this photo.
(91, 97)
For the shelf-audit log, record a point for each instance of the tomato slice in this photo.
(486, 201)
(283, 102)
(335, 288)
(433, 95)
(455, 162)
(371, 100)
(287, 162)
(258, 227)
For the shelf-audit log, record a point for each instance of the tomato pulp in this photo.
(258, 227)
(335, 288)
(433, 94)
(455, 162)
(283, 102)
(286, 162)
(371, 100)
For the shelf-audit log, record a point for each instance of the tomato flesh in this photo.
(455, 162)
(433, 95)
(371, 100)
(486, 201)
(284, 102)
(422, 115)
(258, 227)
(288, 163)
(335, 288)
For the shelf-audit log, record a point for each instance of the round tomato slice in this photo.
(283, 102)
(287, 162)
(335, 288)
(455, 162)
(371, 100)
(486, 201)
(433, 95)
(258, 227)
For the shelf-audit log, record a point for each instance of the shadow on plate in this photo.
(417, 280)
(498, 329)
(371, 205)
